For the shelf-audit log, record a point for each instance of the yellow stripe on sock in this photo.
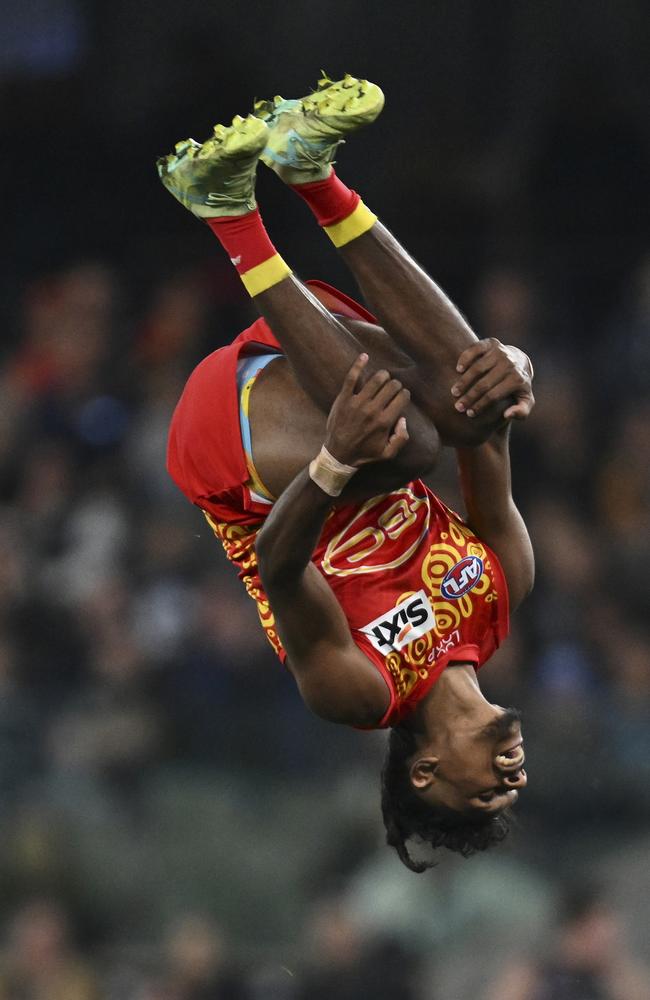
(265, 275)
(356, 224)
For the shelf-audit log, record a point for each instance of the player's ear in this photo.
(422, 772)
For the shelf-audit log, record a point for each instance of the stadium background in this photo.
(174, 826)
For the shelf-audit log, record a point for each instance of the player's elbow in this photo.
(269, 566)
(529, 573)
(526, 584)
(522, 580)
(420, 455)
(276, 563)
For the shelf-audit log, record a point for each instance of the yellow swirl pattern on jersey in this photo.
(411, 664)
(404, 677)
(238, 541)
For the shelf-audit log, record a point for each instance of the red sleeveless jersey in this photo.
(417, 587)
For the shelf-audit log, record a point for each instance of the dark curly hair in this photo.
(406, 816)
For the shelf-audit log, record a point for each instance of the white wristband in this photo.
(330, 474)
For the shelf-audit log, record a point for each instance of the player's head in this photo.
(452, 790)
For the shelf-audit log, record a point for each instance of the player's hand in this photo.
(366, 422)
(491, 372)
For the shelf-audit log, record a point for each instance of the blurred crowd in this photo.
(128, 656)
(585, 957)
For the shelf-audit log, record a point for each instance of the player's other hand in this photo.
(366, 422)
(490, 372)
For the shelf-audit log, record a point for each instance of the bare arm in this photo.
(485, 469)
(492, 513)
(335, 679)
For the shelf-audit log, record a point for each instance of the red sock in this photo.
(244, 238)
(247, 243)
(330, 200)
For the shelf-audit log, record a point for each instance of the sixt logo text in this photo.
(462, 577)
(407, 621)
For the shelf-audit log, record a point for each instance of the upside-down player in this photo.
(381, 601)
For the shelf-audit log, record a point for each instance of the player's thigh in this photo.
(287, 428)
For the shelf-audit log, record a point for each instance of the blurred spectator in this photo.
(589, 959)
(348, 964)
(196, 965)
(626, 722)
(146, 444)
(20, 755)
(624, 373)
(508, 309)
(174, 325)
(68, 321)
(40, 962)
(104, 740)
(623, 499)
(96, 536)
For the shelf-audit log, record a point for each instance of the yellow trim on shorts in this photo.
(263, 276)
(356, 224)
(254, 482)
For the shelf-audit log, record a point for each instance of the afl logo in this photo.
(462, 577)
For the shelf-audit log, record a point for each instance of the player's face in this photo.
(479, 768)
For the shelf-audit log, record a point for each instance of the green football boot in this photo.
(217, 177)
(304, 134)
